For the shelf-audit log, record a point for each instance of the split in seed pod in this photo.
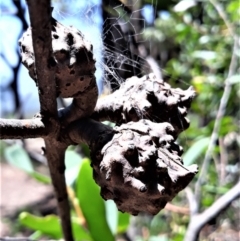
(146, 98)
(141, 168)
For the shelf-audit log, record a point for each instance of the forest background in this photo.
(185, 43)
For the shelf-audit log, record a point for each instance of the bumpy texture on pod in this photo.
(141, 168)
(147, 98)
(73, 55)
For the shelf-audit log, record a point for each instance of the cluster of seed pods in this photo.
(139, 164)
(140, 168)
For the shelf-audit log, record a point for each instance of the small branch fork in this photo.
(199, 220)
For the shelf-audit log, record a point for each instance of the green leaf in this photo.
(117, 221)
(215, 189)
(41, 178)
(35, 236)
(123, 222)
(112, 215)
(183, 5)
(92, 204)
(85, 150)
(195, 150)
(50, 225)
(204, 54)
(73, 162)
(79, 232)
(18, 157)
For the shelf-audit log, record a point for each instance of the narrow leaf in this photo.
(184, 5)
(73, 162)
(41, 177)
(195, 150)
(123, 222)
(18, 157)
(50, 225)
(112, 215)
(92, 204)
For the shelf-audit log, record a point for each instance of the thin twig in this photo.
(199, 220)
(191, 200)
(21, 129)
(223, 15)
(177, 209)
(223, 161)
(217, 124)
(22, 239)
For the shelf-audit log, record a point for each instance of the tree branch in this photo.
(199, 220)
(217, 124)
(22, 129)
(42, 68)
(55, 152)
(40, 17)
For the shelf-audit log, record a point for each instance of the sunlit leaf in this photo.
(50, 225)
(41, 178)
(123, 222)
(195, 150)
(35, 236)
(18, 157)
(204, 54)
(92, 204)
(158, 238)
(73, 162)
(215, 190)
(112, 215)
(184, 5)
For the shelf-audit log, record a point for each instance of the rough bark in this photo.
(21, 129)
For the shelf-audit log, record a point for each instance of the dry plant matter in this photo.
(137, 163)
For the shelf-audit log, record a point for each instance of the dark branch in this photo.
(22, 129)
(40, 17)
(42, 67)
(55, 152)
(89, 132)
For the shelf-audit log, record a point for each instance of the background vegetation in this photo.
(195, 43)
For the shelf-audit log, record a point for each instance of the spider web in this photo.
(112, 38)
(114, 58)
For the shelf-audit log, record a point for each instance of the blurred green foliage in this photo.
(92, 217)
(203, 47)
